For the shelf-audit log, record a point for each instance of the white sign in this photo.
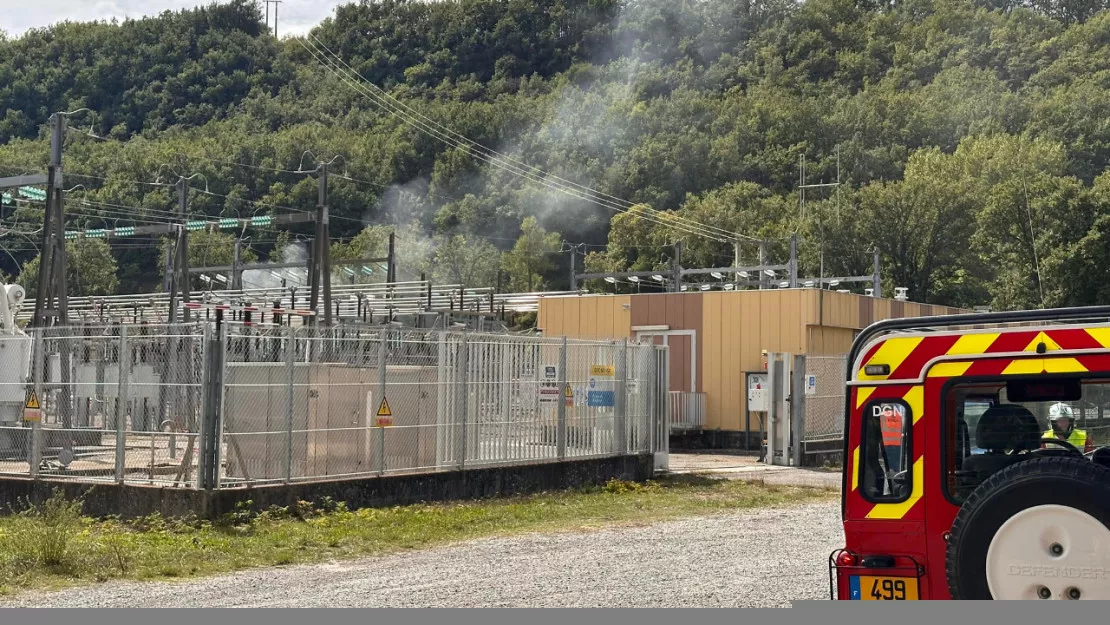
(811, 384)
(549, 395)
(548, 390)
(757, 392)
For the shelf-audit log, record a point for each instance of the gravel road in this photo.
(762, 558)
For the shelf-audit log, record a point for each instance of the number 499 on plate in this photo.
(871, 588)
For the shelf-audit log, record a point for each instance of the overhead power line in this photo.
(344, 72)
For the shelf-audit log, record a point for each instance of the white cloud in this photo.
(295, 17)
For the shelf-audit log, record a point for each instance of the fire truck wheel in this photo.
(1038, 529)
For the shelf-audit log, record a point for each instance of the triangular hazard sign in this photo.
(32, 401)
(568, 392)
(383, 409)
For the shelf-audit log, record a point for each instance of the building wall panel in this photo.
(733, 328)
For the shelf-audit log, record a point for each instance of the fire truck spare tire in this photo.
(1037, 529)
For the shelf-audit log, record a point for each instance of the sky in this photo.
(295, 17)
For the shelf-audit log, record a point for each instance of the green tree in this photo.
(90, 270)
(921, 225)
(467, 261)
(530, 257)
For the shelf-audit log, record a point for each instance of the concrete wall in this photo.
(334, 413)
(135, 501)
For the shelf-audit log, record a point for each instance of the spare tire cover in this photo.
(1054, 517)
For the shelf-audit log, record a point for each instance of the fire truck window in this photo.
(987, 429)
(885, 456)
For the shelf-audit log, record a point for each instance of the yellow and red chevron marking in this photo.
(914, 397)
(907, 355)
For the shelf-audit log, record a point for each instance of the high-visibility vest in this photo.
(892, 429)
(1078, 438)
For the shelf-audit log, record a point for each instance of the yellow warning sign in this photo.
(602, 371)
(385, 415)
(569, 392)
(31, 409)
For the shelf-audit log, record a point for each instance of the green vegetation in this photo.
(53, 545)
(973, 145)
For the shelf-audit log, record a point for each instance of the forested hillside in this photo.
(972, 138)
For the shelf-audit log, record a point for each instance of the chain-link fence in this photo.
(207, 405)
(116, 403)
(305, 404)
(824, 401)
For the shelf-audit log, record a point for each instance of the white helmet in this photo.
(1060, 410)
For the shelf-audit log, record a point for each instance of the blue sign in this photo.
(600, 399)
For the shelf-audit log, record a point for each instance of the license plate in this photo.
(873, 588)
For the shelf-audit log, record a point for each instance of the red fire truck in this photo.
(956, 484)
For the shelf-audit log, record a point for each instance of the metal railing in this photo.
(687, 410)
(209, 405)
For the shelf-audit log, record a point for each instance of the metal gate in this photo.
(824, 403)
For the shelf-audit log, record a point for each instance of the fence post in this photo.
(35, 451)
(122, 402)
(798, 410)
(463, 399)
(620, 409)
(383, 345)
(212, 371)
(290, 353)
(441, 401)
(651, 392)
(663, 422)
(561, 423)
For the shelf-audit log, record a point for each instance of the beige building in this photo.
(715, 337)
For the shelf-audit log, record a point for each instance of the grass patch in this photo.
(53, 546)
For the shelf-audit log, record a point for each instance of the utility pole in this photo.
(275, 3)
(236, 263)
(51, 290)
(167, 278)
(320, 275)
(573, 269)
(876, 285)
(802, 186)
(391, 272)
(179, 282)
(677, 271)
(838, 184)
(793, 261)
(51, 301)
(762, 263)
(736, 259)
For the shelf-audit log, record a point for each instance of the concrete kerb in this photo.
(727, 466)
(130, 501)
(808, 479)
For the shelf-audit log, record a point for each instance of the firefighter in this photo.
(891, 426)
(1062, 421)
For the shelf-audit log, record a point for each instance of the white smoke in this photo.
(401, 203)
(295, 252)
(592, 121)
